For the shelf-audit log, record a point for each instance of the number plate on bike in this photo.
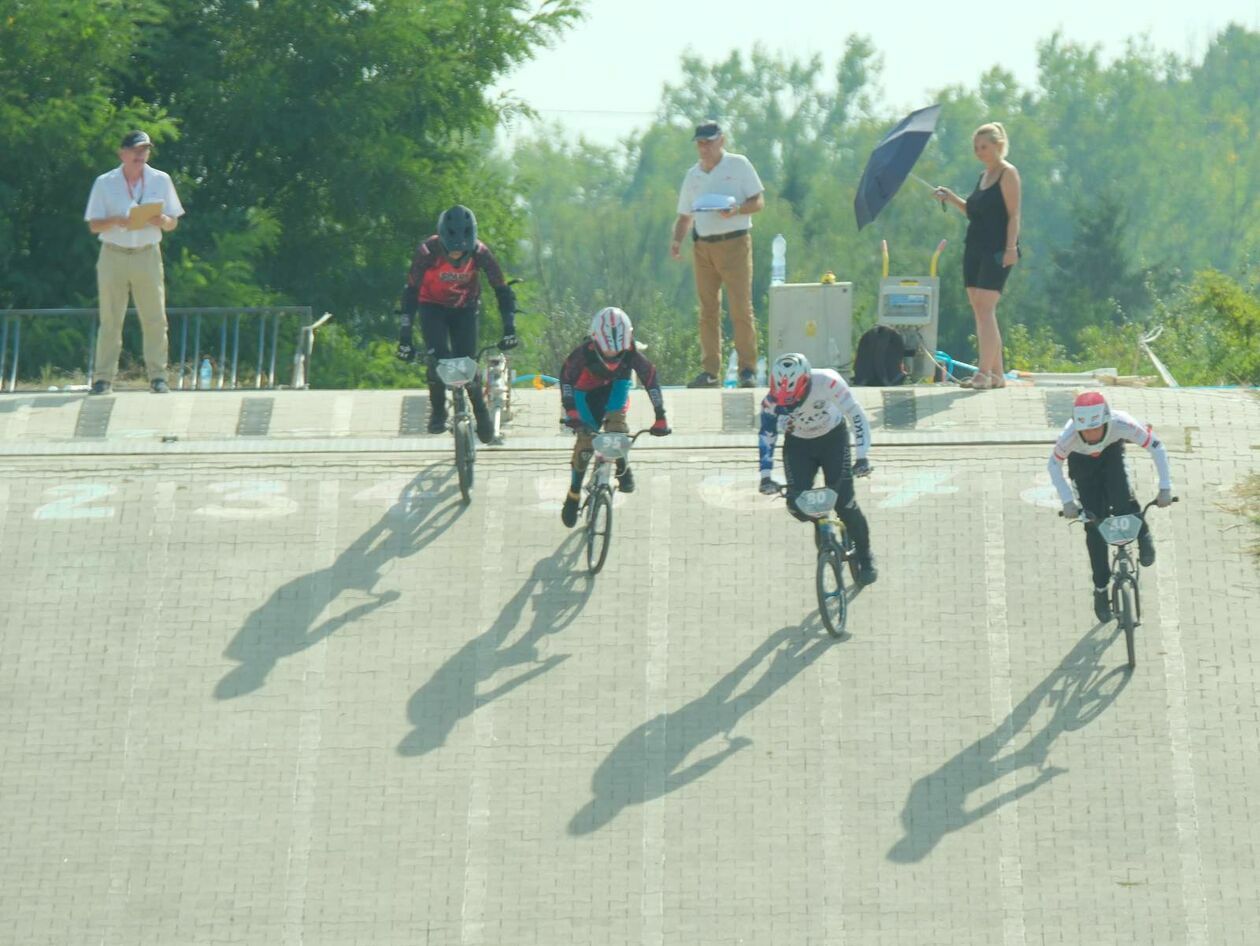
(1120, 530)
(456, 371)
(611, 446)
(816, 502)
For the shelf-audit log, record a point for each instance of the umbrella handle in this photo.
(931, 187)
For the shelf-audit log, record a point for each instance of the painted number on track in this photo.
(76, 501)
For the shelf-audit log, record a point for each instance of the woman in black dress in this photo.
(992, 245)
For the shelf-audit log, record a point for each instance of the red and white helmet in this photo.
(789, 379)
(612, 332)
(1090, 411)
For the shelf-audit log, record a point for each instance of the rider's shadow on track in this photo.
(1076, 693)
(559, 587)
(288, 622)
(651, 761)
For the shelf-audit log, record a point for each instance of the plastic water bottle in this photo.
(732, 371)
(761, 371)
(778, 260)
(205, 374)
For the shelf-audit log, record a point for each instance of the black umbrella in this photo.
(890, 163)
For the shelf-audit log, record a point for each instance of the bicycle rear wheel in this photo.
(598, 529)
(496, 418)
(833, 603)
(1126, 616)
(465, 456)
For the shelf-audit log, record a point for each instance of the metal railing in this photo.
(225, 322)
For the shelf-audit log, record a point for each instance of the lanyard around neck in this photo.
(130, 193)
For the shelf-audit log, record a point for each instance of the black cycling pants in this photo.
(1103, 487)
(803, 457)
(448, 333)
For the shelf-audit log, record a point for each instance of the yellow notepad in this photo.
(142, 215)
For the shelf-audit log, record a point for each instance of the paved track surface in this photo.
(312, 698)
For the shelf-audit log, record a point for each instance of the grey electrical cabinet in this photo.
(815, 319)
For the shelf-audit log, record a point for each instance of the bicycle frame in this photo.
(457, 374)
(607, 448)
(820, 506)
(498, 386)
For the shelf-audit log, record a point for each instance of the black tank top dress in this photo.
(986, 237)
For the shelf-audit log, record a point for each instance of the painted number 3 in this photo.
(249, 499)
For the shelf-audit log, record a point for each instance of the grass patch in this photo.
(1247, 504)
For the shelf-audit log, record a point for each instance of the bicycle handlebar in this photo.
(1088, 518)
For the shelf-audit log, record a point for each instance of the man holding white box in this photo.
(718, 197)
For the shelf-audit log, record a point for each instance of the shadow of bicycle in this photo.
(288, 622)
(652, 760)
(1078, 691)
(559, 591)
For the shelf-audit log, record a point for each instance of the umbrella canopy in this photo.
(891, 161)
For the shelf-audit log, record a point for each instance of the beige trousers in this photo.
(727, 263)
(122, 273)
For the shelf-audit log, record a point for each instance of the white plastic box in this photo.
(815, 319)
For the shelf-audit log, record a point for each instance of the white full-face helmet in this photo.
(612, 333)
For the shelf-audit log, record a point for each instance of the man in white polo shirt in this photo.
(130, 264)
(722, 249)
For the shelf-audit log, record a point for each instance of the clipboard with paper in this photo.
(141, 215)
(713, 203)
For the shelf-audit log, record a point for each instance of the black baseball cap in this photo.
(708, 131)
(135, 139)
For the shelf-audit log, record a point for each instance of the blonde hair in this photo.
(996, 134)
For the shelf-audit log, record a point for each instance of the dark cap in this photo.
(135, 139)
(708, 131)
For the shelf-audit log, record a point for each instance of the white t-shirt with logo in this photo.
(1121, 427)
(111, 197)
(830, 402)
(733, 176)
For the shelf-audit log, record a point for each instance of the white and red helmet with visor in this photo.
(789, 379)
(612, 333)
(1090, 411)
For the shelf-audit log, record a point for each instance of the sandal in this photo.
(981, 382)
(997, 380)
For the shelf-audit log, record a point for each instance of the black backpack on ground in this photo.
(880, 358)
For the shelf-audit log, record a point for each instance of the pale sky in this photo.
(605, 76)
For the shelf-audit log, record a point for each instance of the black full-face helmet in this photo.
(457, 229)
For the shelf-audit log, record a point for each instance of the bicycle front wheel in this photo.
(833, 603)
(850, 554)
(465, 456)
(598, 529)
(1126, 615)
